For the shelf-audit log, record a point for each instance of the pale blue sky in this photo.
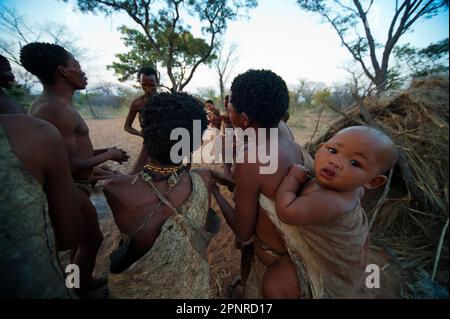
(277, 35)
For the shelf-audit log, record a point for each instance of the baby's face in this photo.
(347, 161)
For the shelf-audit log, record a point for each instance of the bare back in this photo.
(132, 201)
(289, 154)
(250, 183)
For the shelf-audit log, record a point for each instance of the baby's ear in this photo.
(376, 182)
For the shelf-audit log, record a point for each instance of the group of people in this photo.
(301, 230)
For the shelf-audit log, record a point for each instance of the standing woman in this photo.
(148, 78)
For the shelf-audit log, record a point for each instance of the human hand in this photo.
(117, 155)
(102, 172)
(299, 172)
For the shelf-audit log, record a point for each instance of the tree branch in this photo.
(369, 36)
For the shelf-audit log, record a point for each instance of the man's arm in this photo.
(128, 126)
(242, 220)
(100, 151)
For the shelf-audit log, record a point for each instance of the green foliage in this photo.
(164, 38)
(208, 93)
(429, 61)
(302, 95)
(140, 54)
(186, 49)
(21, 95)
(321, 97)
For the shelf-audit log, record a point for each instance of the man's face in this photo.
(148, 84)
(6, 76)
(74, 75)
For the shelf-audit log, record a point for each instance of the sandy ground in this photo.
(224, 258)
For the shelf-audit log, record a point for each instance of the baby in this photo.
(332, 225)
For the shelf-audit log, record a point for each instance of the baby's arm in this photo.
(287, 191)
(312, 208)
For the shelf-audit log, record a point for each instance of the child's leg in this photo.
(280, 280)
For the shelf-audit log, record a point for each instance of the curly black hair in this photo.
(43, 59)
(165, 112)
(262, 95)
(147, 70)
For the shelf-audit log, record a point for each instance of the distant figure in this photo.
(163, 211)
(7, 80)
(148, 78)
(209, 105)
(61, 75)
(212, 114)
(332, 226)
(37, 192)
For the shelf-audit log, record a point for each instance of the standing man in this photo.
(148, 78)
(61, 75)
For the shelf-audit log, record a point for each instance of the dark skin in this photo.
(55, 106)
(248, 218)
(7, 80)
(149, 84)
(130, 210)
(344, 166)
(39, 146)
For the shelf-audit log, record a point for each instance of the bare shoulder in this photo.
(337, 202)
(137, 104)
(30, 127)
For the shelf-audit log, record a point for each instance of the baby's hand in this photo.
(299, 172)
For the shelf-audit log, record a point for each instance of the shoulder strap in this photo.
(161, 196)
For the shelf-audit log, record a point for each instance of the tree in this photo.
(429, 61)
(341, 95)
(206, 93)
(350, 21)
(224, 64)
(163, 35)
(303, 93)
(16, 32)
